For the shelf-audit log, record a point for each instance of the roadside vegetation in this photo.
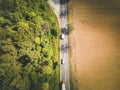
(70, 28)
(69, 16)
(70, 9)
(28, 46)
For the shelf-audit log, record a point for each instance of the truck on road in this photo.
(63, 85)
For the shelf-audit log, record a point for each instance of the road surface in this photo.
(60, 9)
(64, 68)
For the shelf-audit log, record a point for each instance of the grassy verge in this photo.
(70, 12)
(56, 74)
(70, 9)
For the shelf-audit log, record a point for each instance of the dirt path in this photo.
(95, 61)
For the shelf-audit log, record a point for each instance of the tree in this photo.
(15, 17)
(45, 86)
(53, 32)
(70, 28)
(45, 26)
(18, 83)
(24, 60)
(46, 70)
(28, 43)
(37, 40)
(4, 22)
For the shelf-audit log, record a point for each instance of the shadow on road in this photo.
(64, 48)
(60, 86)
(62, 2)
(56, 1)
(63, 13)
(64, 31)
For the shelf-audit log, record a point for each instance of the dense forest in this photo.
(28, 46)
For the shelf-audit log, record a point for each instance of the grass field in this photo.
(95, 51)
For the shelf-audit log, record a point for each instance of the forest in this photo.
(29, 41)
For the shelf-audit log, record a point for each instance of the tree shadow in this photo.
(60, 86)
(62, 2)
(56, 1)
(65, 31)
(53, 32)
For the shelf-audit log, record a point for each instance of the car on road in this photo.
(62, 61)
(62, 36)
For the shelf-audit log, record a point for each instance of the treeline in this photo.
(28, 46)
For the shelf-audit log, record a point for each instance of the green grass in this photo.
(56, 75)
(70, 9)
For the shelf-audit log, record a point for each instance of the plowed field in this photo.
(95, 45)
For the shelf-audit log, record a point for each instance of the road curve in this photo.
(60, 9)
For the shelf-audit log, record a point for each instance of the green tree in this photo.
(15, 17)
(45, 86)
(54, 32)
(4, 22)
(28, 45)
(18, 83)
(46, 70)
(70, 28)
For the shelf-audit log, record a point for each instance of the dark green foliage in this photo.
(25, 64)
(24, 60)
(53, 32)
(70, 28)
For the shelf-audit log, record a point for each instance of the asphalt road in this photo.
(64, 68)
(60, 9)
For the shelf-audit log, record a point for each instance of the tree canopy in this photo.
(28, 45)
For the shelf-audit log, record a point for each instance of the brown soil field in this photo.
(95, 45)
